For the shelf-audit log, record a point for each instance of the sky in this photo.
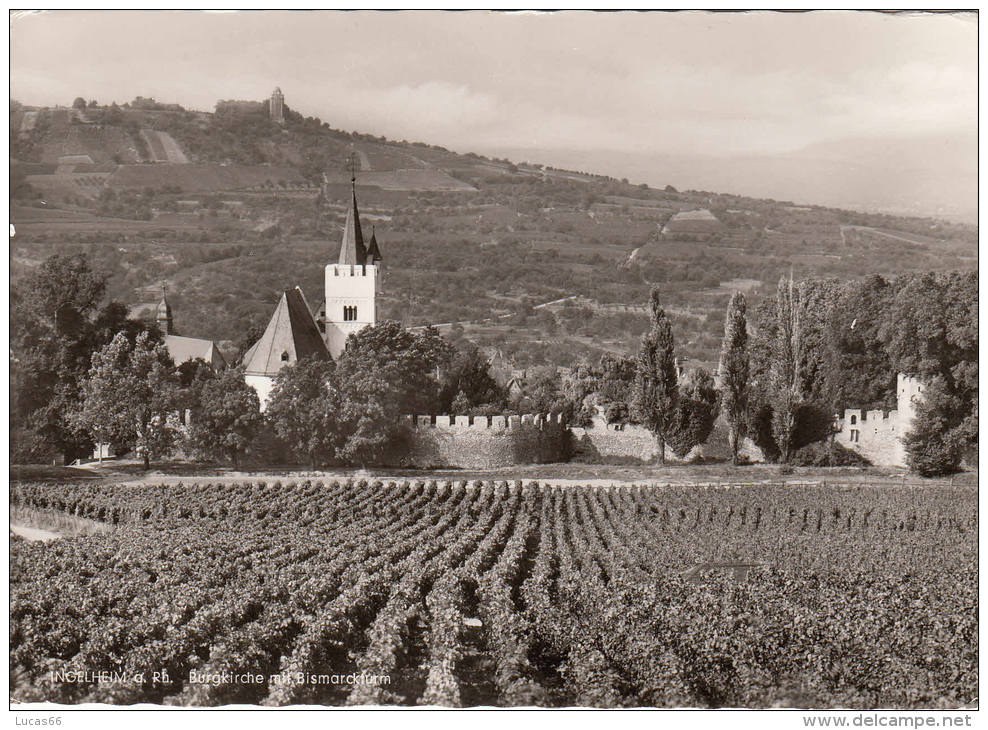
(631, 82)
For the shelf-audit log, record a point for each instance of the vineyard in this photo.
(466, 594)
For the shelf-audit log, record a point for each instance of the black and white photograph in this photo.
(431, 359)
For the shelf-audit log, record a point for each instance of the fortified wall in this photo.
(485, 442)
(603, 441)
(877, 435)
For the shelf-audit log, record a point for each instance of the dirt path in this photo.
(33, 533)
(880, 233)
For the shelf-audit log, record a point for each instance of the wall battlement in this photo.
(352, 270)
(877, 435)
(496, 423)
(484, 442)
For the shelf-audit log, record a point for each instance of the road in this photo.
(33, 533)
(879, 232)
(492, 319)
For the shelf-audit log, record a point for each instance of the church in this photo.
(351, 287)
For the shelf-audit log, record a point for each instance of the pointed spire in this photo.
(163, 314)
(352, 250)
(373, 250)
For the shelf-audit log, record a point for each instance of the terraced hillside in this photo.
(475, 244)
(464, 594)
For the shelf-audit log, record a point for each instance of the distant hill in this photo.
(927, 176)
(229, 210)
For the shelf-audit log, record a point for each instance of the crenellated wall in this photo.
(877, 435)
(485, 442)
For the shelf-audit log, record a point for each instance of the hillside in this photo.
(243, 208)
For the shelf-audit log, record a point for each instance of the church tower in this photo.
(163, 316)
(351, 283)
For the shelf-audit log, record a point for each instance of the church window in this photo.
(854, 419)
(349, 314)
(284, 357)
(854, 435)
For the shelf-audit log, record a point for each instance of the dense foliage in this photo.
(470, 594)
(734, 368)
(655, 396)
(841, 345)
(59, 318)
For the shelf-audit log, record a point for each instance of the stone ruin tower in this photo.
(877, 435)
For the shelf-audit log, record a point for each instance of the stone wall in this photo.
(876, 435)
(606, 440)
(484, 442)
(611, 441)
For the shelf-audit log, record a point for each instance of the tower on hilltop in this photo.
(278, 106)
(351, 283)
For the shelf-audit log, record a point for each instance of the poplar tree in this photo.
(786, 385)
(656, 396)
(734, 372)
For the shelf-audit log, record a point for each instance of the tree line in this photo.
(821, 346)
(83, 373)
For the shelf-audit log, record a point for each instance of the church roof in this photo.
(373, 250)
(189, 348)
(352, 249)
(290, 335)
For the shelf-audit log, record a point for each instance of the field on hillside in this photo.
(465, 239)
(465, 594)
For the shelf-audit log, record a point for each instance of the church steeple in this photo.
(373, 250)
(163, 315)
(352, 249)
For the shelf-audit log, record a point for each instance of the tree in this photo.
(931, 331)
(408, 363)
(617, 378)
(734, 366)
(468, 382)
(932, 446)
(303, 408)
(79, 103)
(694, 419)
(129, 395)
(369, 420)
(228, 416)
(56, 324)
(541, 392)
(655, 392)
(786, 383)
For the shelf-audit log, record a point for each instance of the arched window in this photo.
(854, 419)
(284, 357)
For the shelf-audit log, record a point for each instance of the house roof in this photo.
(290, 335)
(352, 249)
(189, 348)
